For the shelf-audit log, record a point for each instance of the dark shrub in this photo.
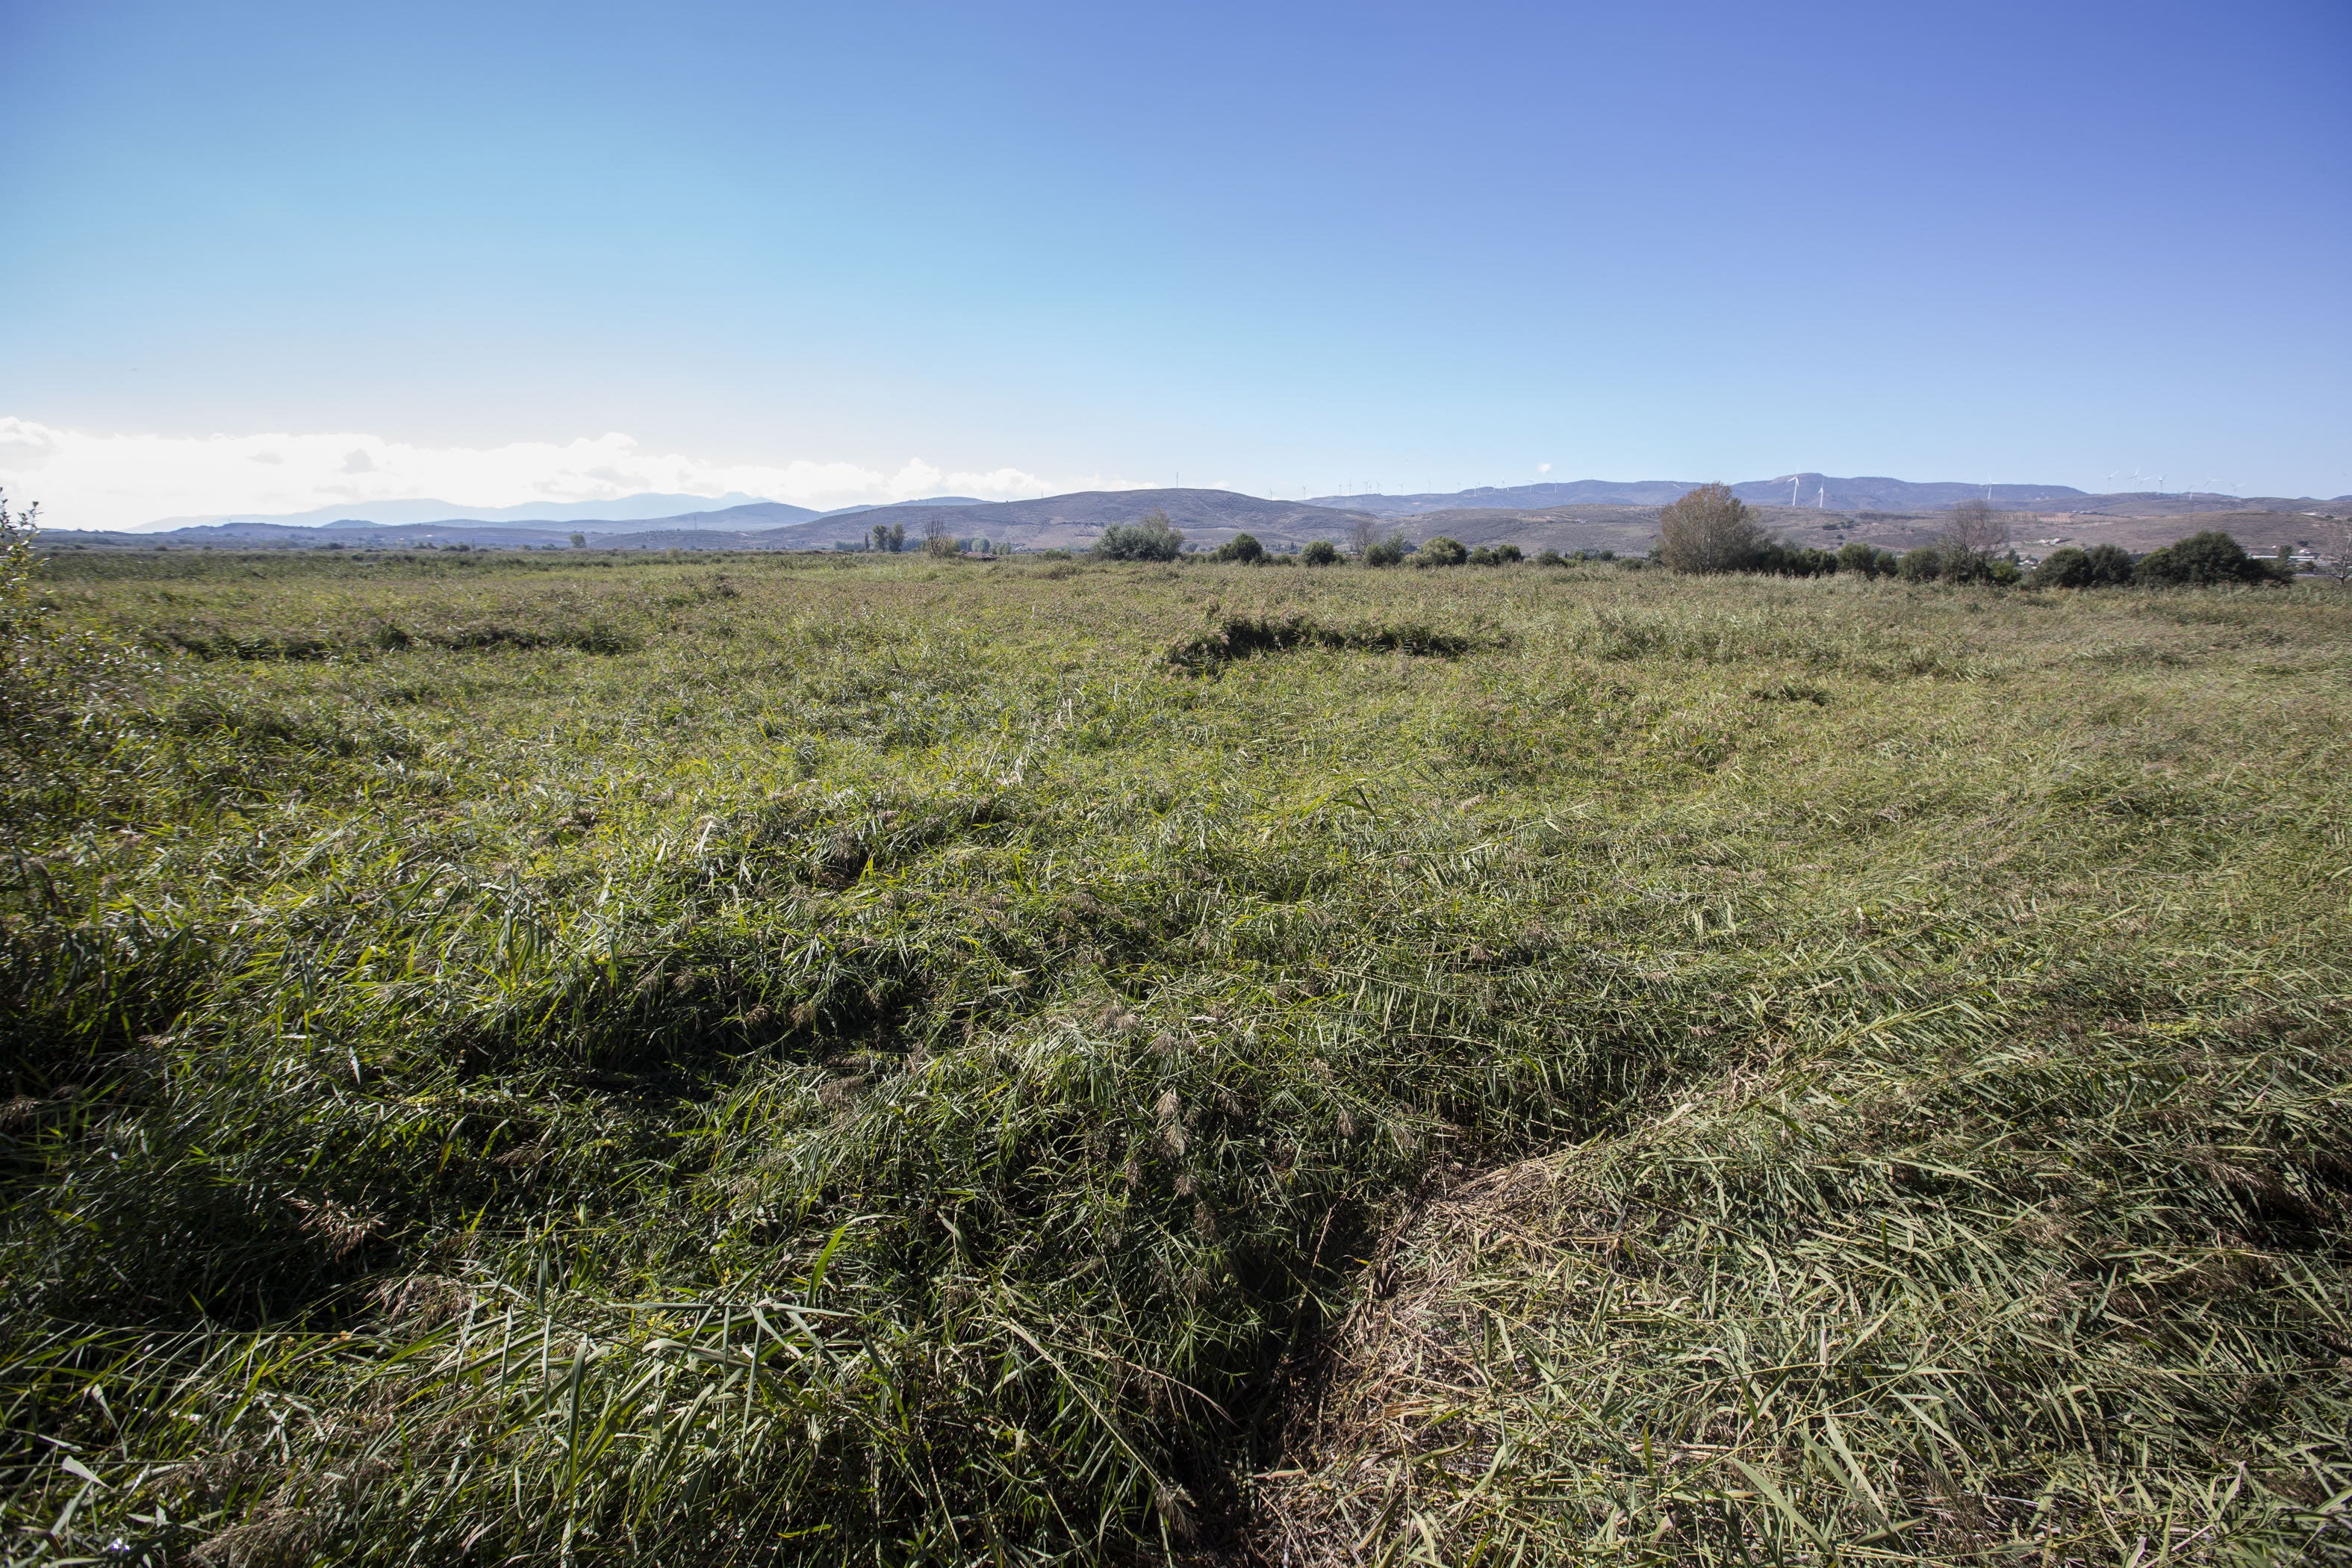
(1923, 564)
(1855, 556)
(1242, 547)
(1507, 556)
(1551, 558)
(2065, 567)
(2202, 560)
(1149, 538)
(1443, 551)
(1319, 552)
(1710, 530)
(1389, 552)
(2071, 566)
(2111, 565)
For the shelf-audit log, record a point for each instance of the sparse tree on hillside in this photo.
(1362, 535)
(1709, 530)
(938, 540)
(1974, 529)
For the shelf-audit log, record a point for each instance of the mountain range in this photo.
(1821, 491)
(1580, 514)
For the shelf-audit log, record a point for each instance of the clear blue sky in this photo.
(1276, 245)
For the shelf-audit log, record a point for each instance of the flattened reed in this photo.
(880, 1062)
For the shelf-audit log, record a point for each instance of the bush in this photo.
(2068, 567)
(1443, 551)
(1865, 560)
(1709, 530)
(1497, 556)
(1925, 565)
(2111, 565)
(1389, 552)
(2078, 567)
(1319, 552)
(1149, 538)
(2205, 560)
(1551, 558)
(1242, 547)
(1786, 560)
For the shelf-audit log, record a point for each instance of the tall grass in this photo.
(777, 1060)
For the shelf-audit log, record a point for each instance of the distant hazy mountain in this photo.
(1517, 498)
(1865, 494)
(927, 500)
(1071, 521)
(1870, 493)
(585, 514)
(1890, 512)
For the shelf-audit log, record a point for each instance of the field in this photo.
(784, 1058)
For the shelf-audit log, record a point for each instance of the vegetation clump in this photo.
(1709, 530)
(1441, 551)
(2206, 559)
(1243, 548)
(1149, 538)
(2072, 566)
(1319, 552)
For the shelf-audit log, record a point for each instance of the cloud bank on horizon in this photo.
(131, 481)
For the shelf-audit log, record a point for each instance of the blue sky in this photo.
(274, 254)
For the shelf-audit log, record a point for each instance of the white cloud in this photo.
(1543, 467)
(84, 480)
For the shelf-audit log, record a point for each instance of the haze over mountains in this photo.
(1584, 514)
(1822, 492)
(639, 508)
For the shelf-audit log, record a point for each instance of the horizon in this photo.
(284, 258)
(648, 509)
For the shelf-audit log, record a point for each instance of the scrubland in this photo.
(788, 1060)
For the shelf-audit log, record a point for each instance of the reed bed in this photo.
(595, 1058)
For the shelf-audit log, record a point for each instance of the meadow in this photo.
(581, 1059)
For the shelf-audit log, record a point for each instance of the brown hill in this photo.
(1207, 518)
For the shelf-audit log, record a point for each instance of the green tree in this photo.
(1319, 552)
(1241, 547)
(1442, 551)
(1925, 565)
(1855, 556)
(2068, 567)
(1709, 530)
(1149, 538)
(2205, 560)
(1388, 552)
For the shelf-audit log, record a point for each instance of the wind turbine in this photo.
(1794, 480)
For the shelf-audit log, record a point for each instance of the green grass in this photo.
(781, 1058)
